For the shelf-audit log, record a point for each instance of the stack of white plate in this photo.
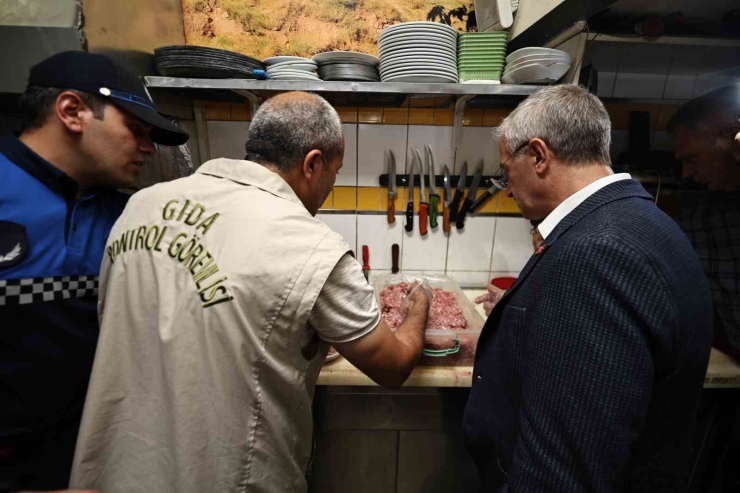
(291, 68)
(418, 52)
(535, 66)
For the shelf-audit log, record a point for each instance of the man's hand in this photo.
(418, 301)
(388, 357)
(490, 299)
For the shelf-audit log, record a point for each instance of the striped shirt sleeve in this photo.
(346, 309)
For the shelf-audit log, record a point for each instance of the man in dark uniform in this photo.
(90, 124)
(704, 133)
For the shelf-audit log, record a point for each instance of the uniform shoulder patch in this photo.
(13, 244)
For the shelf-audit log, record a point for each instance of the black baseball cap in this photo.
(100, 75)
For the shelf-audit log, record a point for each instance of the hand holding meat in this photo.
(490, 299)
(418, 301)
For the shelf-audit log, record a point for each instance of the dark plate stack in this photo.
(199, 62)
(346, 65)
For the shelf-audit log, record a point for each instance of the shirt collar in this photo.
(22, 156)
(568, 205)
(250, 173)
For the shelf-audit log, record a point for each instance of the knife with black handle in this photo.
(410, 207)
(472, 191)
(455, 205)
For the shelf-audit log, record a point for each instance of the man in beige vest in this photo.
(219, 296)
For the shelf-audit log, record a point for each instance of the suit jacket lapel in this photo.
(616, 191)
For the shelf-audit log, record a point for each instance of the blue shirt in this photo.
(51, 248)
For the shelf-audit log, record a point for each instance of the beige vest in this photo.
(200, 383)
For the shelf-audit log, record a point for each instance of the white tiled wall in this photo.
(512, 244)
(471, 256)
(375, 232)
(345, 225)
(348, 174)
(227, 139)
(440, 138)
(471, 247)
(372, 142)
(428, 252)
(476, 144)
(487, 247)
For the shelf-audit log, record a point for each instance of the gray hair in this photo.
(573, 123)
(289, 126)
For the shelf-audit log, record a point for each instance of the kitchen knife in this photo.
(366, 262)
(497, 185)
(460, 221)
(395, 250)
(392, 191)
(447, 199)
(410, 206)
(433, 195)
(423, 204)
(459, 192)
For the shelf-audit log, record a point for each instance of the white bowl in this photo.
(532, 50)
(535, 73)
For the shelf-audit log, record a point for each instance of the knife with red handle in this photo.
(366, 262)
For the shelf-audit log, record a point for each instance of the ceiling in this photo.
(692, 9)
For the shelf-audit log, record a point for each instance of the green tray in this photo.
(466, 75)
(478, 63)
(483, 49)
(496, 34)
(482, 41)
(474, 68)
(481, 58)
(500, 46)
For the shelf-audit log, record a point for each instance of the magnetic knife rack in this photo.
(439, 181)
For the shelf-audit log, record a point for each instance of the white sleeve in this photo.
(346, 308)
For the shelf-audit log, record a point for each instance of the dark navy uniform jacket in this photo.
(51, 248)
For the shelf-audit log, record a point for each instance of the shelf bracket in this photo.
(201, 128)
(254, 101)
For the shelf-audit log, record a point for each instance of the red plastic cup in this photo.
(503, 282)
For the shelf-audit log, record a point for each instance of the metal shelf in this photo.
(269, 86)
(669, 40)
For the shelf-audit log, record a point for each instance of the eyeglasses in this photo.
(503, 181)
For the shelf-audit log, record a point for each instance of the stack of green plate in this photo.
(481, 56)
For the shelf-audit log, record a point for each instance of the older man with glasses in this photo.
(590, 368)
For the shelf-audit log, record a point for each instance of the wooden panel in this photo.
(347, 114)
(421, 116)
(492, 117)
(217, 110)
(473, 117)
(368, 199)
(404, 409)
(434, 462)
(370, 115)
(444, 116)
(354, 461)
(329, 202)
(396, 116)
(345, 198)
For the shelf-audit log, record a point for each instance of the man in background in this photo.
(89, 125)
(590, 368)
(225, 292)
(704, 141)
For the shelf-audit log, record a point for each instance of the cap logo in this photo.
(104, 91)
